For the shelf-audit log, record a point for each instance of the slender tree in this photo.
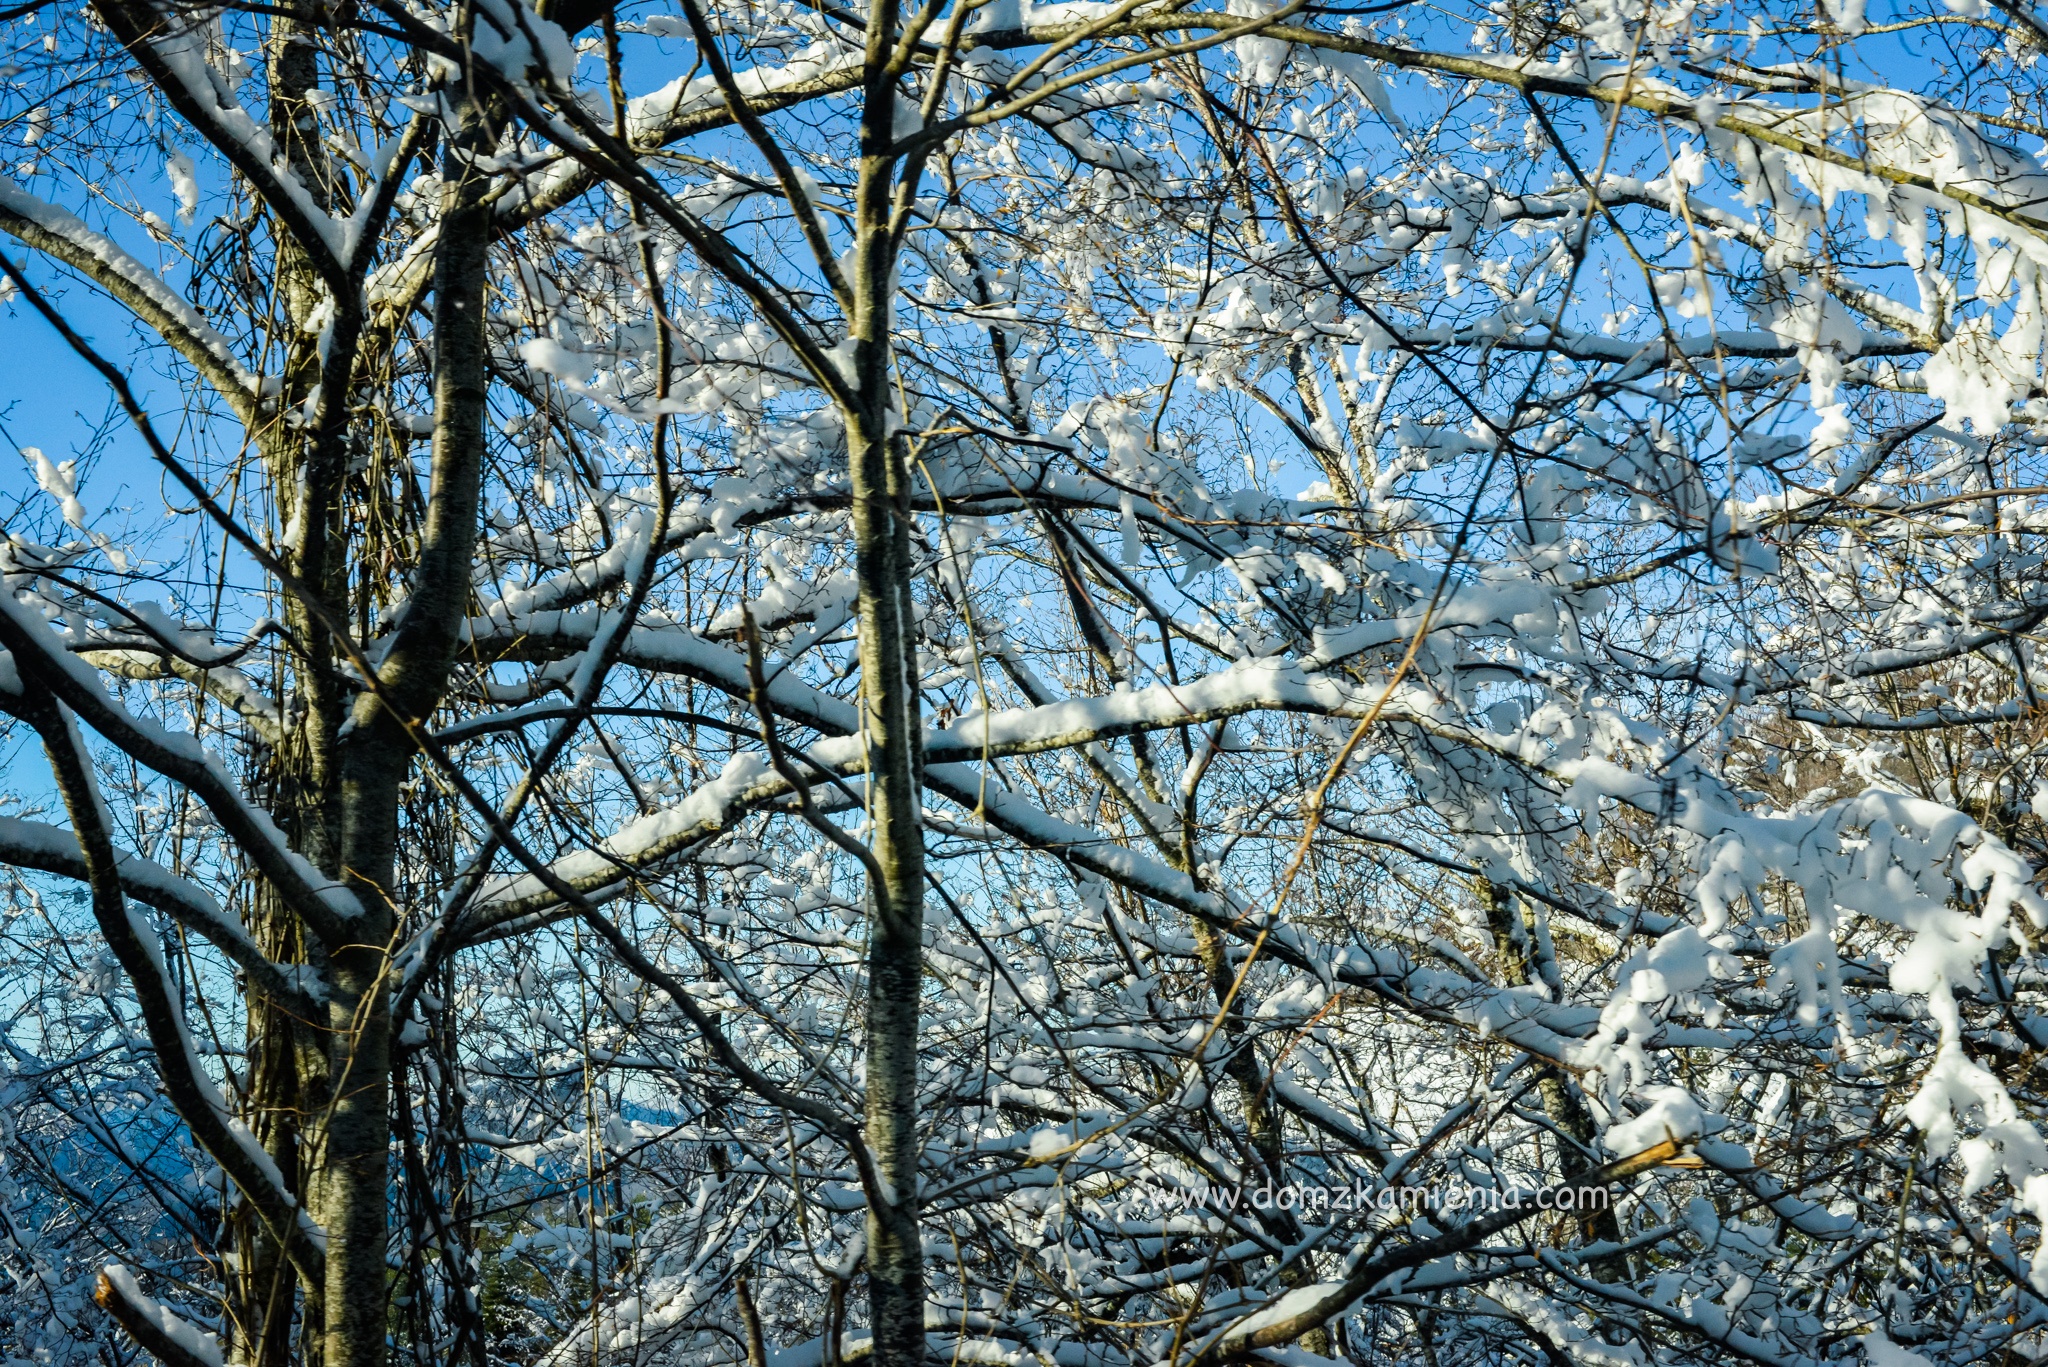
(1101, 682)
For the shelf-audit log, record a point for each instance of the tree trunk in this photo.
(889, 699)
(284, 1075)
(378, 754)
(286, 1086)
(890, 716)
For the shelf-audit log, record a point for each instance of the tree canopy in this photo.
(1098, 684)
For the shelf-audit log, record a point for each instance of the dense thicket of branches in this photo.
(808, 660)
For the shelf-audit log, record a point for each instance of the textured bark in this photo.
(286, 1072)
(890, 716)
(750, 1320)
(881, 520)
(376, 757)
(286, 1088)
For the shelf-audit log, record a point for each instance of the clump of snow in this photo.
(184, 184)
(516, 40)
(1878, 1345)
(58, 479)
(1049, 1143)
(1672, 1114)
(1973, 374)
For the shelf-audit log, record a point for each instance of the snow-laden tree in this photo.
(1001, 682)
